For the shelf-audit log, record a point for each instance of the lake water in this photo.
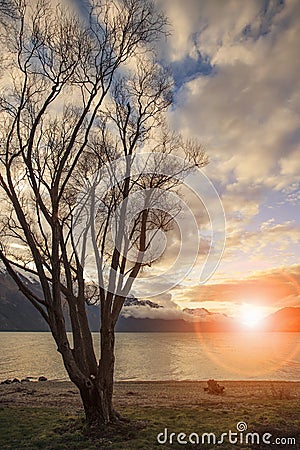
(165, 356)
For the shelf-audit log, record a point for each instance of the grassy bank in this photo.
(49, 428)
(48, 415)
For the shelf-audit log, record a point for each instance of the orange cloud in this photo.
(276, 288)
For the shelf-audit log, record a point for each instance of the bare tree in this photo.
(8, 9)
(82, 98)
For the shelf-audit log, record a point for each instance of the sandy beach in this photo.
(187, 394)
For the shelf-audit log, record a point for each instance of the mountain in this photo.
(198, 312)
(202, 320)
(133, 301)
(132, 324)
(17, 314)
(286, 319)
(205, 315)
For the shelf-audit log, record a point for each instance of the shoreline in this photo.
(169, 394)
(34, 379)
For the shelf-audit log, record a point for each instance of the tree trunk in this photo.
(94, 407)
(97, 392)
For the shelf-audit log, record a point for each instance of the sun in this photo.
(251, 315)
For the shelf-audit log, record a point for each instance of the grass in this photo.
(49, 428)
(281, 392)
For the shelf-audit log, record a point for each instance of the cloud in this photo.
(274, 288)
(248, 109)
(205, 21)
(236, 71)
(278, 236)
(170, 310)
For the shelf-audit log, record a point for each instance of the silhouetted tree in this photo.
(78, 94)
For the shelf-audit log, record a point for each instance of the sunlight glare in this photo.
(251, 315)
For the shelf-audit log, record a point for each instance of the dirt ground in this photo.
(186, 394)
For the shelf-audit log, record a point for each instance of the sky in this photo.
(236, 71)
(235, 66)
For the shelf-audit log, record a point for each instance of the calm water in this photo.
(165, 356)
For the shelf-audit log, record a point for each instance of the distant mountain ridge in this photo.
(133, 301)
(17, 314)
(203, 313)
(286, 319)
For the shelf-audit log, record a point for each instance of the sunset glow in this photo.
(251, 315)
